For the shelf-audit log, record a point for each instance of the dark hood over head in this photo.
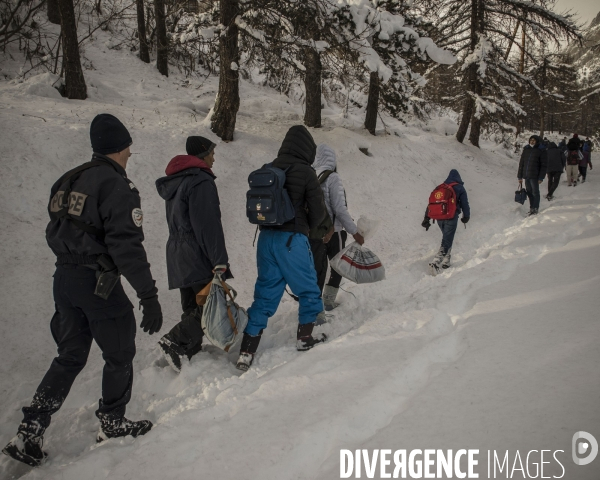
(299, 143)
(454, 176)
(537, 139)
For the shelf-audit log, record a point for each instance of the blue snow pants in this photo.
(278, 265)
(448, 228)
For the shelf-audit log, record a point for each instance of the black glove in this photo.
(152, 315)
(426, 224)
(465, 219)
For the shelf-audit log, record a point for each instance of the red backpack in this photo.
(573, 157)
(442, 202)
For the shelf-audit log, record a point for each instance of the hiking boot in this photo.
(305, 340)
(116, 427)
(329, 295)
(321, 318)
(244, 361)
(172, 352)
(26, 445)
(434, 269)
(446, 260)
(583, 180)
(247, 350)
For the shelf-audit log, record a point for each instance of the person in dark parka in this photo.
(532, 167)
(556, 166)
(283, 252)
(196, 245)
(97, 231)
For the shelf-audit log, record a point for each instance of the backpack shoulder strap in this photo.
(324, 175)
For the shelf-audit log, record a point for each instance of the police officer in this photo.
(95, 230)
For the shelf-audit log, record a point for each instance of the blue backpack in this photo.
(267, 201)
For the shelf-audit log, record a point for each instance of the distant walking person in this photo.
(449, 197)
(573, 158)
(95, 231)
(532, 169)
(556, 166)
(196, 245)
(585, 161)
(335, 200)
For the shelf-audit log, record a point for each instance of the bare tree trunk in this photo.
(228, 98)
(162, 43)
(468, 108)
(144, 53)
(372, 103)
(512, 40)
(471, 77)
(53, 11)
(477, 81)
(74, 81)
(312, 85)
(521, 70)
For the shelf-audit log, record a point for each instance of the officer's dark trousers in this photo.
(81, 317)
(323, 251)
(553, 181)
(188, 333)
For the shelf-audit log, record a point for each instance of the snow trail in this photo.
(287, 417)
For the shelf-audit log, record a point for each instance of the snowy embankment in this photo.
(498, 352)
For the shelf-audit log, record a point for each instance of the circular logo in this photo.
(138, 216)
(438, 195)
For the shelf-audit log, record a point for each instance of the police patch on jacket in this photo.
(138, 216)
(76, 202)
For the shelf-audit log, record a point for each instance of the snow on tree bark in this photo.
(227, 103)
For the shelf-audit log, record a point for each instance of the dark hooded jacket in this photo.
(462, 201)
(574, 144)
(534, 161)
(556, 159)
(196, 241)
(297, 153)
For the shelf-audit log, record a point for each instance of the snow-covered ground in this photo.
(499, 352)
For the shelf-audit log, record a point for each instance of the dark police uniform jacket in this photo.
(106, 199)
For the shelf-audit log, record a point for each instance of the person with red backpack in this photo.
(445, 205)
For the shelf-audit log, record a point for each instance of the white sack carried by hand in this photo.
(223, 320)
(367, 227)
(358, 264)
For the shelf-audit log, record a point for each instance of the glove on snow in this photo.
(465, 219)
(426, 224)
(152, 315)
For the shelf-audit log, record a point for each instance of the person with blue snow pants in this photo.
(283, 252)
(532, 168)
(448, 227)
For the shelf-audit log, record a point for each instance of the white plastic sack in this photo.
(367, 227)
(358, 264)
(223, 320)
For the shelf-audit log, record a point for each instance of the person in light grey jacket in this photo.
(325, 165)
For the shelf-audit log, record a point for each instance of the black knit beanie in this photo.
(199, 146)
(108, 134)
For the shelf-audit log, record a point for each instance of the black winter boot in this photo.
(172, 352)
(113, 427)
(247, 351)
(26, 446)
(305, 340)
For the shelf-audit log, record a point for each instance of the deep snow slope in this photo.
(401, 351)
